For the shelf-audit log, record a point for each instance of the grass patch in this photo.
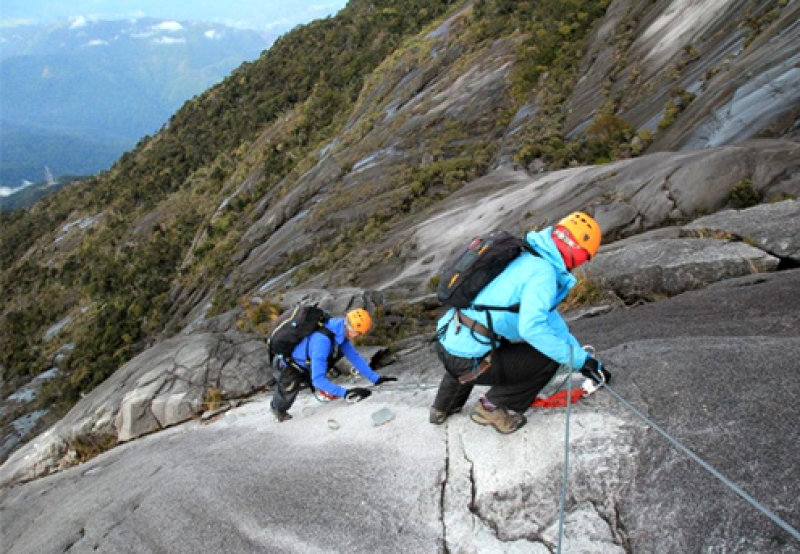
(586, 292)
(90, 446)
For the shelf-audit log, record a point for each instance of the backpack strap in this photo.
(325, 331)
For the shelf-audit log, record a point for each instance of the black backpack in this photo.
(295, 324)
(475, 265)
(471, 269)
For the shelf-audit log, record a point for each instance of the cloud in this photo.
(171, 26)
(213, 34)
(78, 22)
(169, 40)
(96, 42)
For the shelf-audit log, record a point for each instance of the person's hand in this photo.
(357, 394)
(595, 371)
(381, 380)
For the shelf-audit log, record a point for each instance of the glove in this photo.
(356, 394)
(595, 371)
(381, 380)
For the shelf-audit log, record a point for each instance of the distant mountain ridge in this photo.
(103, 85)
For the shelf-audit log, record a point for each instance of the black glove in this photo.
(357, 394)
(381, 380)
(595, 371)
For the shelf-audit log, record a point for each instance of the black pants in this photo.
(517, 373)
(288, 382)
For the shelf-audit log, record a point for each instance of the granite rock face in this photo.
(711, 368)
(173, 382)
(713, 362)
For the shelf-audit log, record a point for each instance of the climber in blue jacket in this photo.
(532, 342)
(317, 353)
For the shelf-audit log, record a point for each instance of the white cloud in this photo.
(78, 22)
(171, 26)
(96, 42)
(278, 23)
(169, 40)
(8, 191)
(212, 34)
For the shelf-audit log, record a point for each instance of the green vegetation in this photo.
(586, 292)
(759, 16)
(551, 45)
(257, 317)
(678, 101)
(113, 279)
(115, 257)
(87, 446)
(169, 212)
(744, 195)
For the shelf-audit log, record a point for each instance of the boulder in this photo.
(161, 387)
(642, 269)
(771, 227)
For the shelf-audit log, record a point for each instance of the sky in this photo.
(262, 15)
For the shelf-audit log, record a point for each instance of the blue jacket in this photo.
(537, 284)
(317, 347)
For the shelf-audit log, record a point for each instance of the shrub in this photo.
(258, 316)
(87, 447)
(607, 137)
(743, 195)
(586, 292)
(213, 399)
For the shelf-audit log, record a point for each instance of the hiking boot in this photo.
(503, 421)
(281, 416)
(437, 417)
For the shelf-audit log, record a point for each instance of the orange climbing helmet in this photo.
(358, 320)
(584, 230)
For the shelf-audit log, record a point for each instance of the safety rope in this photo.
(565, 475)
(383, 388)
(562, 504)
(405, 388)
(738, 490)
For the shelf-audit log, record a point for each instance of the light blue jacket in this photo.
(537, 284)
(317, 347)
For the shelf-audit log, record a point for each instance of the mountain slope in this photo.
(309, 165)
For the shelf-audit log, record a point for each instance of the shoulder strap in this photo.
(514, 308)
(325, 331)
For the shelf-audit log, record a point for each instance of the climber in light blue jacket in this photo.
(529, 344)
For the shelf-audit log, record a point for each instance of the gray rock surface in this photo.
(772, 227)
(161, 387)
(666, 267)
(716, 367)
(711, 367)
(628, 198)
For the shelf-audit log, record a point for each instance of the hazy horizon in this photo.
(261, 15)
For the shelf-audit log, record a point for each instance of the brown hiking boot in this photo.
(281, 416)
(503, 421)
